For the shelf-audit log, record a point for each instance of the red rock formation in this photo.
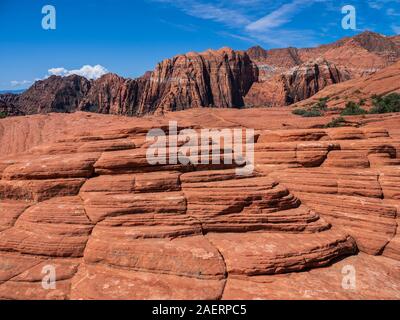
(116, 227)
(54, 94)
(308, 79)
(363, 54)
(112, 94)
(274, 61)
(297, 84)
(220, 79)
(380, 83)
(8, 105)
(396, 40)
(288, 75)
(210, 79)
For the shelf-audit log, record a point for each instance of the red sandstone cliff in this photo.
(210, 79)
(112, 94)
(222, 79)
(296, 84)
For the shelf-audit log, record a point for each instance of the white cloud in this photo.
(254, 20)
(276, 18)
(16, 83)
(209, 11)
(87, 71)
(57, 71)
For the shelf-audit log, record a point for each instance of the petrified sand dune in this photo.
(116, 227)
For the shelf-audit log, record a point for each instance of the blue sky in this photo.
(129, 37)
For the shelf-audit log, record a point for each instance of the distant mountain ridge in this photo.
(222, 78)
(12, 91)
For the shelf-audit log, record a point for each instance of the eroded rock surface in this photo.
(116, 227)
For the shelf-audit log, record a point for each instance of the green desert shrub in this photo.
(308, 113)
(322, 104)
(362, 102)
(316, 110)
(386, 104)
(353, 109)
(3, 114)
(299, 112)
(336, 122)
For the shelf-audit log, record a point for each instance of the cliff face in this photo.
(275, 61)
(211, 79)
(308, 79)
(363, 54)
(222, 79)
(291, 75)
(54, 94)
(112, 94)
(296, 84)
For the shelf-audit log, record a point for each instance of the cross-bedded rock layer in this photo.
(116, 227)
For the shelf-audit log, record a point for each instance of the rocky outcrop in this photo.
(291, 75)
(363, 54)
(8, 105)
(380, 83)
(54, 94)
(112, 94)
(396, 40)
(297, 84)
(308, 79)
(210, 79)
(216, 78)
(274, 61)
(116, 227)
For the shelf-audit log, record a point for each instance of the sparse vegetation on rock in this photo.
(317, 110)
(336, 122)
(308, 113)
(353, 109)
(386, 104)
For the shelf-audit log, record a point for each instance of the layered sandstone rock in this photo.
(112, 94)
(326, 283)
(274, 61)
(210, 79)
(116, 227)
(311, 77)
(296, 84)
(218, 78)
(291, 75)
(381, 83)
(362, 54)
